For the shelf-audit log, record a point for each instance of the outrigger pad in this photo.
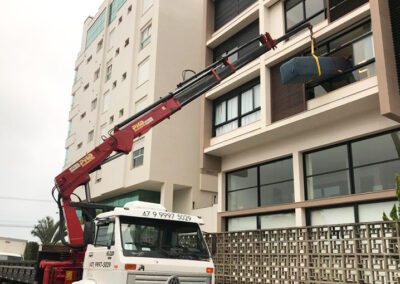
(304, 69)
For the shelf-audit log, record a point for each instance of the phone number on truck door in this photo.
(167, 215)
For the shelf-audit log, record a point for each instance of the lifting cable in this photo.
(313, 51)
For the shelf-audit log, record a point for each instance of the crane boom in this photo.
(122, 137)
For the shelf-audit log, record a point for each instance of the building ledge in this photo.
(232, 27)
(344, 199)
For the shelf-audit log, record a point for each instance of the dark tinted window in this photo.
(226, 10)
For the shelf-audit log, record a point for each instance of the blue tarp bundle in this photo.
(304, 69)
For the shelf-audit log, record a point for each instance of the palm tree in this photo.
(46, 230)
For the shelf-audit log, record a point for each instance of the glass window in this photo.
(143, 71)
(237, 108)
(114, 8)
(328, 160)
(138, 156)
(328, 185)
(108, 71)
(242, 199)
(162, 239)
(365, 151)
(105, 234)
(280, 220)
(376, 177)
(373, 212)
(332, 216)
(277, 193)
(146, 36)
(96, 28)
(262, 185)
(242, 223)
(298, 12)
(242, 179)
(276, 172)
(90, 136)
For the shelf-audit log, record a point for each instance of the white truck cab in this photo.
(143, 243)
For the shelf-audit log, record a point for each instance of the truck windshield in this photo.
(162, 239)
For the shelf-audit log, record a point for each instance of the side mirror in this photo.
(89, 230)
(213, 245)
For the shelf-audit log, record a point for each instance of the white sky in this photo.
(39, 44)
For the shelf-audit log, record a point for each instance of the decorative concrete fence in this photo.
(352, 253)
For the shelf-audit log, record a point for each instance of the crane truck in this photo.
(139, 242)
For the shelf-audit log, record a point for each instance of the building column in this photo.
(167, 196)
(298, 182)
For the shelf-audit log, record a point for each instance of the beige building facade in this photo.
(304, 154)
(133, 53)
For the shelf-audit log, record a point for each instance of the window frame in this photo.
(237, 92)
(258, 183)
(134, 166)
(355, 206)
(258, 219)
(351, 167)
(98, 225)
(305, 19)
(145, 41)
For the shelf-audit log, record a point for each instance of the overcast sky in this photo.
(39, 43)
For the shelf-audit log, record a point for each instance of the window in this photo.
(115, 6)
(121, 112)
(117, 51)
(114, 84)
(126, 42)
(226, 10)
(96, 74)
(89, 59)
(106, 101)
(355, 213)
(86, 87)
(129, 9)
(111, 119)
(83, 115)
(96, 28)
(264, 222)
(238, 108)
(138, 157)
(124, 76)
(79, 145)
(146, 5)
(355, 167)
(242, 223)
(100, 45)
(262, 185)
(73, 100)
(355, 45)
(69, 127)
(93, 104)
(120, 20)
(145, 36)
(66, 155)
(90, 136)
(143, 71)
(278, 220)
(240, 38)
(105, 234)
(297, 12)
(108, 71)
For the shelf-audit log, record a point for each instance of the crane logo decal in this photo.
(86, 160)
(140, 124)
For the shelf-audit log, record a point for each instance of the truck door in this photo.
(102, 253)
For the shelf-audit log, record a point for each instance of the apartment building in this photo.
(133, 53)
(318, 153)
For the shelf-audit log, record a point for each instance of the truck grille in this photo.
(160, 278)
